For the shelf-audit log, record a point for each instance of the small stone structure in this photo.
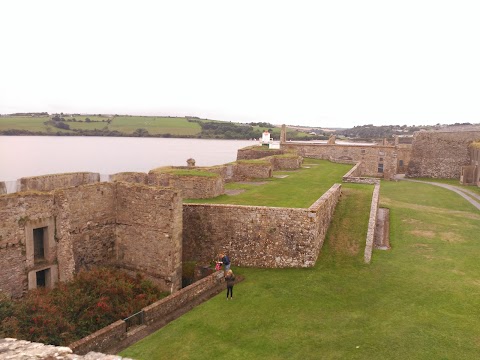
(3, 188)
(191, 162)
(257, 152)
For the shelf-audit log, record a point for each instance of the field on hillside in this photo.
(155, 125)
(418, 300)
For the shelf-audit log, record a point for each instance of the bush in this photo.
(71, 311)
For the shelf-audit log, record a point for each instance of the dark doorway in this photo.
(39, 244)
(41, 278)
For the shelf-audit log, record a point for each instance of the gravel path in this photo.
(470, 196)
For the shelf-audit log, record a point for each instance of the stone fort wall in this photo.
(97, 224)
(256, 235)
(440, 154)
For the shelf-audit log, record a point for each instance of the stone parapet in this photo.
(102, 339)
(131, 177)
(57, 181)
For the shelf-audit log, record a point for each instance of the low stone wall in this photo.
(354, 176)
(58, 181)
(257, 152)
(258, 236)
(163, 308)
(102, 339)
(371, 224)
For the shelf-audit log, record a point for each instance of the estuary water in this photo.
(22, 156)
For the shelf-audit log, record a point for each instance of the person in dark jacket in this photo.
(230, 279)
(226, 262)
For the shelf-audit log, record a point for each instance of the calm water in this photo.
(22, 156)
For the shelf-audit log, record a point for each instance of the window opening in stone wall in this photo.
(400, 162)
(381, 153)
(39, 244)
(42, 278)
(380, 168)
(381, 160)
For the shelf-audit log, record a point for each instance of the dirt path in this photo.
(468, 195)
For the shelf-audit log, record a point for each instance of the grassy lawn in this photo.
(300, 189)
(24, 123)
(417, 301)
(453, 182)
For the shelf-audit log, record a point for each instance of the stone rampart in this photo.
(440, 154)
(371, 224)
(58, 181)
(379, 160)
(148, 233)
(257, 152)
(131, 177)
(256, 235)
(101, 340)
(189, 186)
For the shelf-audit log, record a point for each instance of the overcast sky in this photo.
(317, 63)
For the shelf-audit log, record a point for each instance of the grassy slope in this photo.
(417, 301)
(155, 125)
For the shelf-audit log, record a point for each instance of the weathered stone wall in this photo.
(257, 152)
(85, 227)
(149, 232)
(16, 210)
(246, 170)
(440, 154)
(131, 177)
(404, 153)
(3, 188)
(371, 156)
(286, 162)
(256, 235)
(58, 181)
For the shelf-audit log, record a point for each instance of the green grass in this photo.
(299, 190)
(417, 301)
(24, 123)
(454, 182)
(155, 125)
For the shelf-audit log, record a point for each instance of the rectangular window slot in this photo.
(39, 244)
(380, 168)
